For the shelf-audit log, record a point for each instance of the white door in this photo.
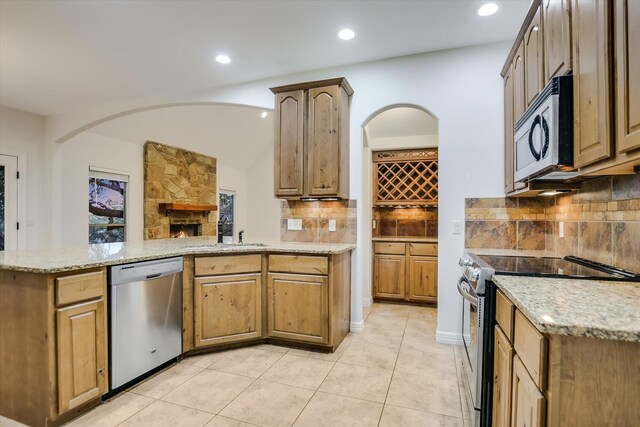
(8, 203)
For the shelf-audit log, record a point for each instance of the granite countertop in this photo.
(577, 307)
(406, 239)
(89, 256)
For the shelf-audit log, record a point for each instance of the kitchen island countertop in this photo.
(99, 255)
(405, 239)
(577, 307)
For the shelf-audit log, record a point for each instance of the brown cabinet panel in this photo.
(389, 276)
(425, 249)
(423, 278)
(82, 353)
(323, 149)
(527, 402)
(228, 264)
(531, 346)
(289, 143)
(298, 307)
(591, 80)
(504, 314)
(79, 287)
(227, 308)
(389, 248)
(627, 80)
(533, 59)
(508, 130)
(502, 373)
(301, 264)
(557, 38)
(519, 101)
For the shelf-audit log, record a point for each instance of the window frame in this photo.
(97, 172)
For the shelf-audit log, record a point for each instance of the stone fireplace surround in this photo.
(175, 175)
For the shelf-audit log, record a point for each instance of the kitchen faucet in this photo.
(240, 236)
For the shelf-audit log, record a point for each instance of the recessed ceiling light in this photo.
(346, 34)
(263, 115)
(223, 59)
(488, 9)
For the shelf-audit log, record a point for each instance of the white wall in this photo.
(22, 134)
(461, 87)
(401, 142)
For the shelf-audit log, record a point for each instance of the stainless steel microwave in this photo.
(543, 138)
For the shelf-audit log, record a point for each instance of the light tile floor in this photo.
(392, 374)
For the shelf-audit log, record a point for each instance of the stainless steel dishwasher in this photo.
(145, 317)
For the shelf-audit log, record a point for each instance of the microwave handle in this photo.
(466, 295)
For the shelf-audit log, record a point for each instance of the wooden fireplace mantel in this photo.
(205, 209)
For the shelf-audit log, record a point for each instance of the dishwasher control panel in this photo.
(145, 270)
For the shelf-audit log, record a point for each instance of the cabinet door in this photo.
(323, 145)
(557, 38)
(508, 130)
(502, 372)
(423, 278)
(82, 353)
(533, 59)
(518, 84)
(628, 74)
(591, 81)
(227, 308)
(289, 143)
(389, 276)
(298, 307)
(527, 402)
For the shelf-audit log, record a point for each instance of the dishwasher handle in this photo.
(153, 276)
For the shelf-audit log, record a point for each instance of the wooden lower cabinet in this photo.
(227, 308)
(405, 271)
(82, 353)
(527, 402)
(502, 373)
(423, 278)
(389, 276)
(298, 307)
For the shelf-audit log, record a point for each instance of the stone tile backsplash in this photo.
(315, 218)
(405, 222)
(600, 222)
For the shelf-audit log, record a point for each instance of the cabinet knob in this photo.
(206, 296)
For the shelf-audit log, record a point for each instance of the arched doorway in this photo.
(394, 127)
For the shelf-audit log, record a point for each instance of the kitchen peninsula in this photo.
(53, 311)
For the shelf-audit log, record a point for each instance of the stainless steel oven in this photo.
(476, 332)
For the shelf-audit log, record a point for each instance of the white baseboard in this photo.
(357, 326)
(366, 302)
(448, 338)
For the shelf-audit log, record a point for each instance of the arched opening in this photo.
(391, 129)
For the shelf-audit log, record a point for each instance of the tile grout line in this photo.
(393, 373)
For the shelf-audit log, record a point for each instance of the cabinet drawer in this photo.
(299, 264)
(504, 314)
(531, 346)
(79, 287)
(389, 248)
(427, 249)
(209, 266)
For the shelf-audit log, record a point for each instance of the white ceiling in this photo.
(237, 136)
(402, 121)
(66, 55)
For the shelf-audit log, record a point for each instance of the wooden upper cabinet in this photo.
(227, 308)
(557, 38)
(508, 130)
(289, 143)
(518, 84)
(82, 353)
(627, 30)
(533, 59)
(312, 139)
(590, 21)
(323, 149)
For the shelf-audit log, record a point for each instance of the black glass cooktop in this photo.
(556, 267)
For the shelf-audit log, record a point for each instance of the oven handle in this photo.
(466, 295)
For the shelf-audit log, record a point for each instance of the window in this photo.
(227, 209)
(107, 210)
(8, 202)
